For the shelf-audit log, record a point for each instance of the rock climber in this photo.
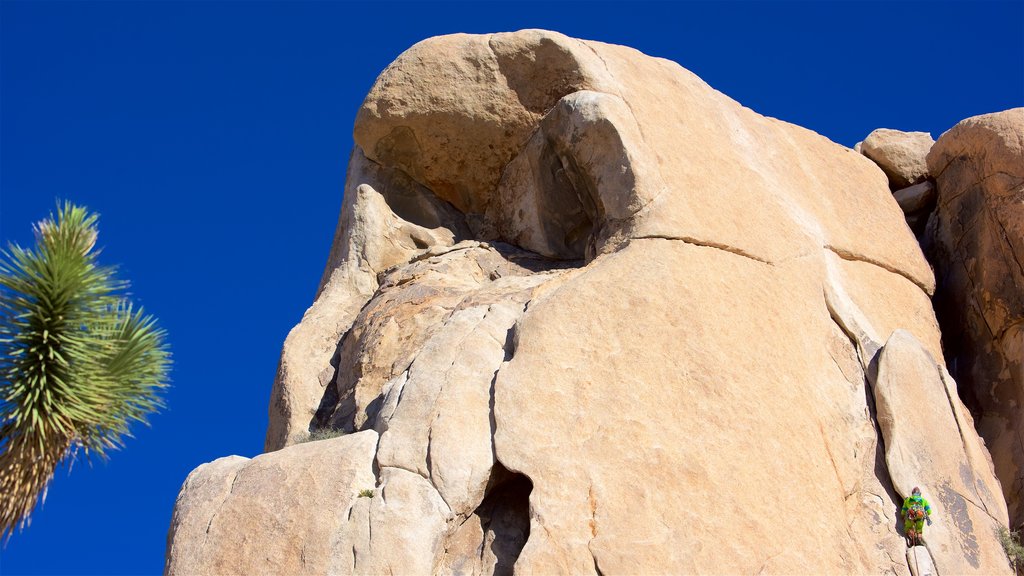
(915, 511)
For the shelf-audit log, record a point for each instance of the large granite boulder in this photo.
(287, 512)
(599, 318)
(901, 155)
(916, 402)
(976, 243)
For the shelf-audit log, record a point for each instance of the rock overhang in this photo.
(550, 143)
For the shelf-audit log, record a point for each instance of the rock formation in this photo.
(916, 401)
(901, 155)
(920, 562)
(976, 241)
(903, 158)
(585, 314)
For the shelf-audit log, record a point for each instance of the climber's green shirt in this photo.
(916, 501)
(912, 525)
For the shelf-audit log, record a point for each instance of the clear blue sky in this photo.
(213, 138)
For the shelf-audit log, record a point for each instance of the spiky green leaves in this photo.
(78, 363)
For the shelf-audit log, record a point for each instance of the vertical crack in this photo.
(868, 357)
(597, 567)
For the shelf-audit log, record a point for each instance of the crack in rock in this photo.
(705, 244)
(848, 255)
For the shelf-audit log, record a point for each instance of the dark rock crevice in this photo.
(509, 347)
(505, 518)
(597, 567)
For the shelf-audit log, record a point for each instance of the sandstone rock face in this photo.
(976, 242)
(916, 402)
(594, 317)
(901, 155)
(281, 513)
(370, 239)
(920, 562)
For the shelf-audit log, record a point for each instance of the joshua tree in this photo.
(78, 362)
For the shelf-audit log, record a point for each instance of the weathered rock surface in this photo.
(370, 239)
(901, 155)
(920, 562)
(915, 405)
(595, 317)
(281, 513)
(976, 243)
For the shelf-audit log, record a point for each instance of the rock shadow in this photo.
(505, 518)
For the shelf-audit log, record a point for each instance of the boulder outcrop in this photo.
(585, 314)
(975, 240)
(901, 155)
(916, 401)
(286, 512)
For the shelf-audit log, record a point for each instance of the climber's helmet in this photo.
(916, 491)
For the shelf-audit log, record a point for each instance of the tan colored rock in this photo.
(411, 302)
(901, 155)
(457, 141)
(432, 407)
(279, 513)
(549, 204)
(405, 522)
(442, 428)
(609, 74)
(976, 242)
(887, 301)
(607, 467)
(920, 561)
(653, 353)
(370, 239)
(926, 446)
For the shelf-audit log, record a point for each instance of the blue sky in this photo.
(212, 137)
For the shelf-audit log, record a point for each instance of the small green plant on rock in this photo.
(366, 493)
(323, 434)
(1013, 548)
